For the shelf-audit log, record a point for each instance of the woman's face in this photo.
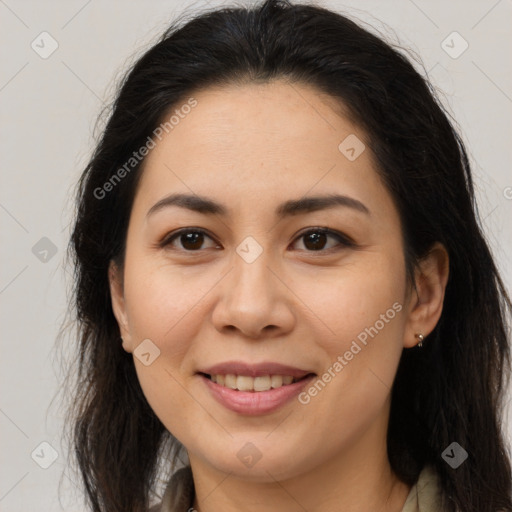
(236, 279)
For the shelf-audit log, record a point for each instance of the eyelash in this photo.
(343, 240)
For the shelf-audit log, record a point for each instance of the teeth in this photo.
(276, 381)
(229, 381)
(287, 379)
(262, 383)
(246, 383)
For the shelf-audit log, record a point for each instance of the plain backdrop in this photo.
(49, 105)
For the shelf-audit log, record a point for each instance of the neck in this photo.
(359, 479)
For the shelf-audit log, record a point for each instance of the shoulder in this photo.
(425, 495)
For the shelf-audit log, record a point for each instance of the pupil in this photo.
(316, 239)
(192, 240)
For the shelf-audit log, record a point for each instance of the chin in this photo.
(257, 460)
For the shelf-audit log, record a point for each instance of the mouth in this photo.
(254, 384)
(254, 389)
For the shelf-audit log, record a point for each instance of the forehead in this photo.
(264, 119)
(259, 140)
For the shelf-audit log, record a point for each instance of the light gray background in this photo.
(48, 111)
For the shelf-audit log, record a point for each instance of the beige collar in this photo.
(425, 495)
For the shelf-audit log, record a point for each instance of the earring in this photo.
(420, 339)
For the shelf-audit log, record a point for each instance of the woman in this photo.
(281, 283)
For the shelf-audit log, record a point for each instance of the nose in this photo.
(254, 301)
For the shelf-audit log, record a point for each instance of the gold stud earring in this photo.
(420, 339)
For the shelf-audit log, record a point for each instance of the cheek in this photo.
(366, 313)
(363, 311)
(363, 303)
(166, 393)
(162, 302)
(164, 306)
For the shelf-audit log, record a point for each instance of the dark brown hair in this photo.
(451, 390)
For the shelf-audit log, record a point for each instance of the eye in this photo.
(316, 239)
(190, 239)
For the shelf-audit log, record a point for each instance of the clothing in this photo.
(424, 496)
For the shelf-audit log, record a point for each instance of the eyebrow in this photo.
(205, 205)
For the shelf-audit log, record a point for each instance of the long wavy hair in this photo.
(450, 390)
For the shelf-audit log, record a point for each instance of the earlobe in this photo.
(118, 304)
(426, 302)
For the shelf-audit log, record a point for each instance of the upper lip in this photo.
(254, 369)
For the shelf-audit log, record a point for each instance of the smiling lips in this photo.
(254, 388)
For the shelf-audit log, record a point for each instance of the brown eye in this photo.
(192, 240)
(317, 239)
(314, 240)
(189, 240)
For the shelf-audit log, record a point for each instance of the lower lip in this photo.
(253, 403)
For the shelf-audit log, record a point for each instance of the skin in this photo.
(251, 147)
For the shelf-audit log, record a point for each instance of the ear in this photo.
(426, 301)
(115, 279)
